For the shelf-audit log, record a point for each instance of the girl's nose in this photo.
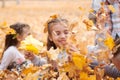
(62, 35)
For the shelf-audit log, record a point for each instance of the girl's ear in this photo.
(50, 38)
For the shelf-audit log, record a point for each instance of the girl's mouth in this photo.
(63, 41)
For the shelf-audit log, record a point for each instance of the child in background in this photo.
(11, 54)
(115, 17)
(104, 24)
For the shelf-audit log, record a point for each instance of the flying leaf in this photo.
(88, 23)
(73, 25)
(109, 42)
(91, 10)
(3, 25)
(72, 38)
(54, 16)
(81, 8)
(111, 8)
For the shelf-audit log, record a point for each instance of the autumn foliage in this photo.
(77, 68)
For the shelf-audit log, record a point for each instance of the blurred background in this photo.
(37, 12)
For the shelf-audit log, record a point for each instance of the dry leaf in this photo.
(109, 42)
(79, 60)
(81, 8)
(73, 25)
(3, 25)
(32, 69)
(111, 8)
(63, 76)
(53, 53)
(91, 10)
(88, 23)
(31, 44)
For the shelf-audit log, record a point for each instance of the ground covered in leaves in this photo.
(36, 13)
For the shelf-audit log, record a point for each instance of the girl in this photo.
(11, 55)
(58, 32)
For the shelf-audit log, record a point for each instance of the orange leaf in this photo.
(88, 23)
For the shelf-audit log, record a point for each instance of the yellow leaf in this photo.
(31, 44)
(68, 67)
(109, 42)
(79, 61)
(11, 31)
(118, 79)
(83, 76)
(3, 25)
(46, 24)
(31, 69)
(111, 8)
(92, 77)
(32, 48)
(91, 10)
(28, 77)
(81, 8)
(102, 3)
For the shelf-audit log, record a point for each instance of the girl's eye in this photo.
(56, 33)
(66, 32)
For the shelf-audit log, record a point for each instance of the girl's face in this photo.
(59, 34)
(26, 32)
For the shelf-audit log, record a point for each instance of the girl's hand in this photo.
(71, 48)
(29, 55)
